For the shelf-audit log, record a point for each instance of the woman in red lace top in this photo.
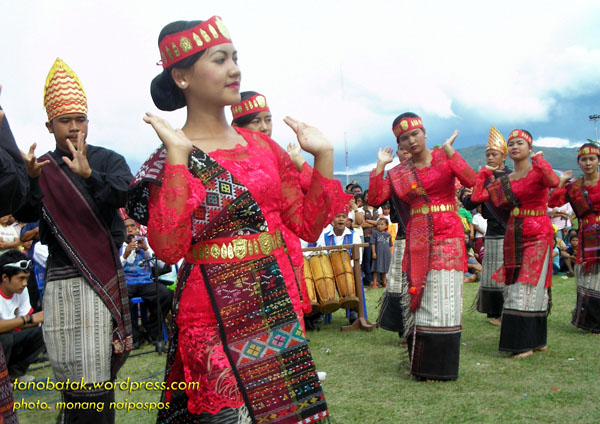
(253, 113)
(218, 196)
(434, 258)
(527, 269)
(584, 196)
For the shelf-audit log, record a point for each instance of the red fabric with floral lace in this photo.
(438, 181)
(531, 192)
(266, 170)
(585, 206)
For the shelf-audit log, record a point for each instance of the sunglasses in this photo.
(24, 265)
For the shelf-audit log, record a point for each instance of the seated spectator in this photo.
(473, 265)
(567, 257)
(9, 236)
(555, 258)
(20, 334)
(30, 233)
(137, 261)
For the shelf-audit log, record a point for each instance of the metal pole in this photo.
(595, 119)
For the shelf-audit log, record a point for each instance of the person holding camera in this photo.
(138, 261)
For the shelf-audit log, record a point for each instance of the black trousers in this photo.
(21, 349)
(147, 291)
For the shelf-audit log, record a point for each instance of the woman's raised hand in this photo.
(310, 138)
(565, 177)
(385, 156)
(172, 139)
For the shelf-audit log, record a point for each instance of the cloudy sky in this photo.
(348, 67)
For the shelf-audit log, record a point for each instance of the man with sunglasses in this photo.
(20, 334)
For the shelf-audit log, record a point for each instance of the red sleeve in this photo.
(549, 177)
(305, 177)
(170, 208)
(558, 197)
(307, 214)
(380, 188)
(480, 193)
(461, 170)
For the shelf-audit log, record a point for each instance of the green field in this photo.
(366, 381)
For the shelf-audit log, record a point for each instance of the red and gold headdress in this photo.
(63, 92)
(496, 141)
(255, 104)
(588, 150)
(178, 46)
(520, 134)
(407, 124)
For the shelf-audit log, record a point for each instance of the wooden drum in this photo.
(344, 278)
(324, 280)
(310, 288)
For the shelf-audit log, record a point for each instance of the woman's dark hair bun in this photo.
(166, 95)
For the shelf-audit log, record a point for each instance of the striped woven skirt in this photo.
(390, 315)
(587, 310)
(524, 318)
(436, 327)
(490, 297)
(77, 331)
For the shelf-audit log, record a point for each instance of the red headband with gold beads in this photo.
(176, 47)
(588, 150)
(255, 104)
(520, 134)
(407, 124)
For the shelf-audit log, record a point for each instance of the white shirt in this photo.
(481, 222)
(337, 240)
(8, 234)
(16, 306)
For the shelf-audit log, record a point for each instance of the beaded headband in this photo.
(520, 134)
(407, 124)
(588, 150)
(255, 104)
(176, 47)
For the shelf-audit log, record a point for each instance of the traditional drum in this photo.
(310, 288)
(322, 272)
(344, 278)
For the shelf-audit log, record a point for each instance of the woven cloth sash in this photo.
(261, 335)
(405, 179)
(74, 223)
(502, 195)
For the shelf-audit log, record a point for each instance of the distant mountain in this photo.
(561, 158)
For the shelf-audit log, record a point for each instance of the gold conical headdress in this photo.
(63, 92)
(496, 141)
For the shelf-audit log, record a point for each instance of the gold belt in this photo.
(426, 209)
(520, 212)
(232, 249)
(590, 220)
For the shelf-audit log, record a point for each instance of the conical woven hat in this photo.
(496, 141)
(63, 92)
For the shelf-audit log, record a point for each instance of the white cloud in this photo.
(500, 62)
(556, 142)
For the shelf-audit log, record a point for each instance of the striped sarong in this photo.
(490, 297)
(587, 309)
(390, 315)
(524, 318)
(77, 331)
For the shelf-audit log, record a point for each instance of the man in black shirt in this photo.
(87, 328)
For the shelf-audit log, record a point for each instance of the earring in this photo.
(183, 83)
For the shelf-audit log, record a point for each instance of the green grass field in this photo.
(366, 381)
